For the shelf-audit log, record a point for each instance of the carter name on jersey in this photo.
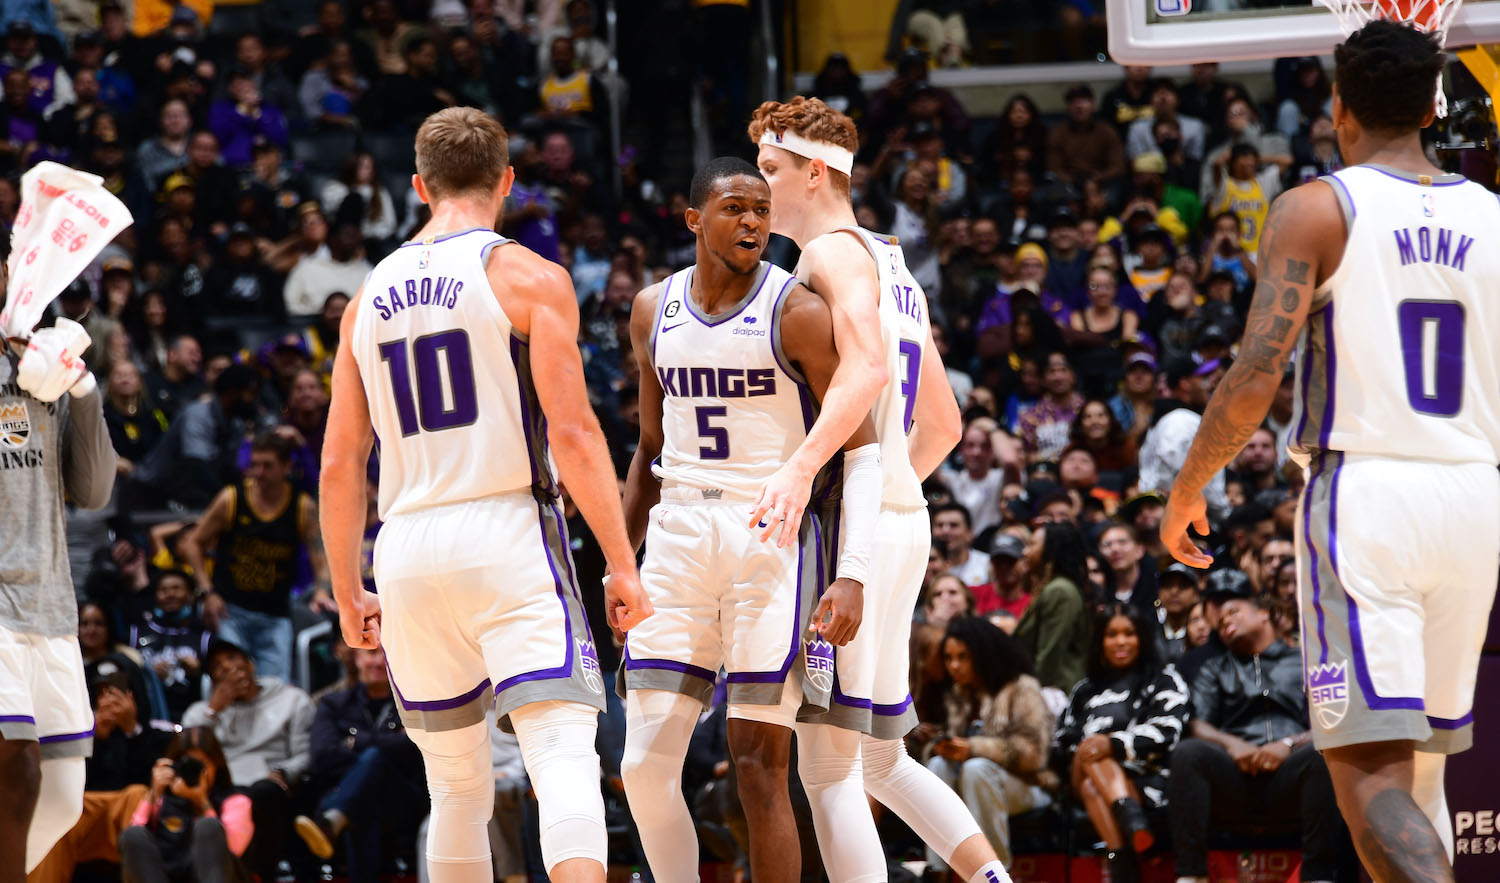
(439, 291)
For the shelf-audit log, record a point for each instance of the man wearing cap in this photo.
(1010, 596)
(1134, 404)
(1067, 261)
(1140, 137)
(1251, 755)
(50, 86)
(1082, 148)
(1177, 592)
(1171, 435)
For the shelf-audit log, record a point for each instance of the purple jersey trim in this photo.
(1331, 365)
(438, 704)
(781, 357)
(666, 296)
(1312, 550)
(1400, 177)
(633, 664)
(65, 737)
(17, 719)
(687, 298)
(1356, 639)
(779, 676)
(1307, 366)
(566, 669)
(892, 710)
(1439, 723)
(515, 357)
(445, 237)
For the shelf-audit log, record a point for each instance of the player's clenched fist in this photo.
(51, 365)
(625, 603)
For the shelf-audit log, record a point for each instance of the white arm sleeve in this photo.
(861, 506)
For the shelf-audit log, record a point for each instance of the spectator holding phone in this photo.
(193, 824)
(993, 751)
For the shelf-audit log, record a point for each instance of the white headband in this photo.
(836, 157)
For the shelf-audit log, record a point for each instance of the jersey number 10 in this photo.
(1432, 351)
(445, 399)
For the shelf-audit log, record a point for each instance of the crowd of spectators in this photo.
(1087, 275)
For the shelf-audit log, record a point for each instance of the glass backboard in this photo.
(1159, 32)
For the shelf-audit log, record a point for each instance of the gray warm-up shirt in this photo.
(46, 451)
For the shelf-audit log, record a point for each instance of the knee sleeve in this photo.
(658, 726)
(59, 804)
(925, 802)
(557, 744)
(1427, 791)
(460, 781)
(828, 762)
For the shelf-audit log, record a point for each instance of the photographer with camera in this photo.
(193, 824)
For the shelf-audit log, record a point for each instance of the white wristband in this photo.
(861, 506)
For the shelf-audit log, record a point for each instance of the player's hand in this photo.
(1185, 508)
(359, 621)
(51, 365)
(625, 603)
(840, 611)
(783, 499)
(1095, 748)
(955, 750)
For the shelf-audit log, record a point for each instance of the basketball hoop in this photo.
(1429, 16)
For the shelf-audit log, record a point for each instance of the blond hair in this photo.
(461, 150)
(812, 119)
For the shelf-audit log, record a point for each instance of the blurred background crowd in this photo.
(1088, 268)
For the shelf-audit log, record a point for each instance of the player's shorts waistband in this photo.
(679, 494)
(515, 496)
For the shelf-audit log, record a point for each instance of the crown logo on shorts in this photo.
(819, 655)
(713, 493)
(1325, 675)
(9, 413)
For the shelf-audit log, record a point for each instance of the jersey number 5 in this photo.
(445, 395)
(1432, 350)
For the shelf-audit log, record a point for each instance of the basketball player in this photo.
(51, 445)
(1383, 277)
(479, 602)
(733, 352)
(806, 150)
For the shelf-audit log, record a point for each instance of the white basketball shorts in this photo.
(43, 694)
(723, 599)
(870, 684)
(1396, 573)
(479, 605)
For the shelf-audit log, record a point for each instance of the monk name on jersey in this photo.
(724, 383)
(1427, 248)
(428, 291)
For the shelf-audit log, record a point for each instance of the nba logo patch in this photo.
(1174, 7)
(15, 426)
(1328, 691)
(425, 259)
(1428, 208)
(820, 663)
(589, 661)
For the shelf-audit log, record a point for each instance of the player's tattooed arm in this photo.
(1300, 244)
(1397, 842)
(642, 490)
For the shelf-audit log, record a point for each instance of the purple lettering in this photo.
(760, 382)
(380, 307)
(666, 375)
(411, 292)
(425, 287)
(1462, 252)
(1445, 241)
(732, 383)
(1403, 244)
(396, 304)
(702, 382)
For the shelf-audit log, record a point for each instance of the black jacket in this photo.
(346, 723)
(1257, 698)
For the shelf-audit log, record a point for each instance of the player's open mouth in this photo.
(748, 244)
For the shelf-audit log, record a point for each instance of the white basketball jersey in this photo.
(448, 379)
(734, 408)
(903, 339)
(1401, 353)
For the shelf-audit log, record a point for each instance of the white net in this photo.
(1431, 16)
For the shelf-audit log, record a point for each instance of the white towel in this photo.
(66, 219)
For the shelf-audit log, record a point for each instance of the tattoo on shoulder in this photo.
(1289, 300)
(1296, 271)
